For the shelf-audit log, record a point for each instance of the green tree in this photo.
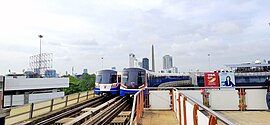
(76, 85)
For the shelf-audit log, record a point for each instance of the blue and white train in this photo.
(134, 79)
(107, 82)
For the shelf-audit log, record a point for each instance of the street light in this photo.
(102, 62)
(40, 37)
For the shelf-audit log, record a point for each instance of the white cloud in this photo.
(80, 33)
(227, 28)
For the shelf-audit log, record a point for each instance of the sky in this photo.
(79, 33)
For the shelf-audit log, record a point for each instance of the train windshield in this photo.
(106, 78)
(133, 79)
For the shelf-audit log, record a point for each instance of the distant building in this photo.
(167, 62)
(171, 70)
(85, 71)
(145, 63)
(256, 66)
(51, 73)
(140, 64)
(132, 59)
(174, 70)
(133, 62)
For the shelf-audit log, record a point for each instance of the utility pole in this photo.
(39, 68)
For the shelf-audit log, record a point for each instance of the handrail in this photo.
(133, 107)
(220, 117)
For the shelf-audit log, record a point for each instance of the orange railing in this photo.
(137, 108)
(184, 100)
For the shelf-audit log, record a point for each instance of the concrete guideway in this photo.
(159, 118)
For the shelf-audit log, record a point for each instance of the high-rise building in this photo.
(132, 60)
(140, 64)
(85, 71)
(145, 63)
(167, 62)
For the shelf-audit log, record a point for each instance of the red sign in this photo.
(211, 79)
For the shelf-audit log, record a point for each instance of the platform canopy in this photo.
(246, 65)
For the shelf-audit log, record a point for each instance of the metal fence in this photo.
(22, 113)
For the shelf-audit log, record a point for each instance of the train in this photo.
(134, 79)
(131, 80)
(107, 82)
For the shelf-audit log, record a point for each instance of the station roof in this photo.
(246, 65)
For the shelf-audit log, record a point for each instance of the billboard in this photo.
(211, 79)
(227, 79)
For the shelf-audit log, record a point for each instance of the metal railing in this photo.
(138, 105)
(22, 113)
(213, 115)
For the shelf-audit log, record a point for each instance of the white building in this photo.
(140, 64)
(167, 62)
(132, 59)
(171, 70)
(133, 62)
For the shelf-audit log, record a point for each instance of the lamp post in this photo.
(101, 62)
(39, 68)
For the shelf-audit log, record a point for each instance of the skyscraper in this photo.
(167, 62)
(145, 63)
(132, 59)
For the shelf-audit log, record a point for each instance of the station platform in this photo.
(154, 117)
(247, 117)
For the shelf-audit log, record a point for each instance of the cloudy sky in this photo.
(79, 33)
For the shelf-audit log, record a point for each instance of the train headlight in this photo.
(114, 85)
(97, 85)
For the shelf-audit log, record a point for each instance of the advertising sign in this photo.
(227, 79)
(211, 79)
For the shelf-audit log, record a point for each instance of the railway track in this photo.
(108, 113)
(100, 110)
(51, 118)
(103, 113)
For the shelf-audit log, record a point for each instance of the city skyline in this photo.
(80, 33)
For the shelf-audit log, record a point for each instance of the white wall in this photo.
(19, 99)
(160, 100)
(256, 99)
(223, 99)
(35, 83)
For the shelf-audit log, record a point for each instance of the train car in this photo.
(134, 79)
(107, 82)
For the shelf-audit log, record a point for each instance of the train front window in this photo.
(98, 78)
(103, 79)
(133, 79)
(113, 78)
(125, 78)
